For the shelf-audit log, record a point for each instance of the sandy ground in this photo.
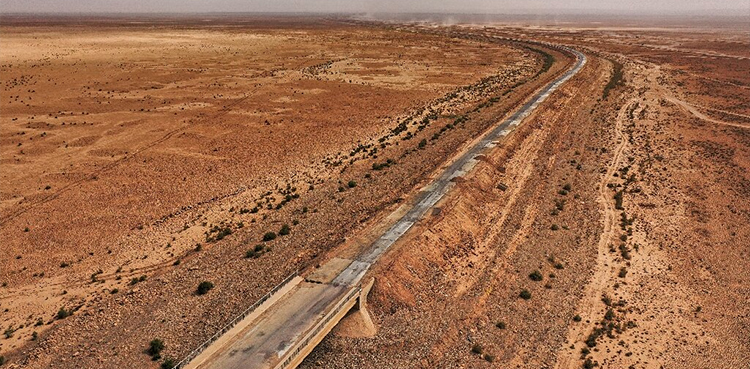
(192, 142)
(654, 280)
(622, 211)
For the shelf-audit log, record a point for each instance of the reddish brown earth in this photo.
(242, 113)
(192, 141)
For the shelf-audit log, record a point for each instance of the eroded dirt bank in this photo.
(617, 239)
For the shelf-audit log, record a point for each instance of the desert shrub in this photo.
(477, 349)
(577, 318)
(624, 251)
(591, 339)
(64, 265)
(560, 204)
(588, 364)
(135, 280)
(536, 276)
(255, 252)
(2, 360)
(62, 313)
(567, 187)
(618, 200)
(489, 358)
(500, 325)
(284, 230)
(609, 315)
(422, 143)
(168, 363)
(352, 184)
(204, 287)
(559, 266)
(623, 272)
(9, 332)
(554, 227)
(155, 348)
(525, 294)
(269, 236)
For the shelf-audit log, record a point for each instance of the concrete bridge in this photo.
(286, 326)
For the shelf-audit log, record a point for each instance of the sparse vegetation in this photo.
(477, 349)
(269, 236)
(256, 252)
(8, 333)
(536, 276)
(136, 280)
(614, 80)
(168, 363)
(618, 200)
(155, 347)
(525, 294)
(204, 287)
(62, 314)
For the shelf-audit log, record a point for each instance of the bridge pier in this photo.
(358, 323)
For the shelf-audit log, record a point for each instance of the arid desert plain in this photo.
(140, 157)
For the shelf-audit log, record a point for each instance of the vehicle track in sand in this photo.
(590, 307)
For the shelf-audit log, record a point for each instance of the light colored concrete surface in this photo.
(264, 343)
(328, 271)
(237, 331)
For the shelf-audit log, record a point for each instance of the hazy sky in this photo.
(698, 7)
